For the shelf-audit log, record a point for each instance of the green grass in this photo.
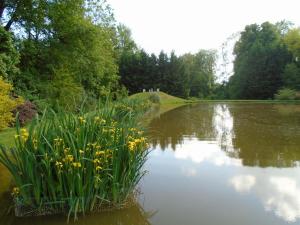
(164, 98)
(7, 137)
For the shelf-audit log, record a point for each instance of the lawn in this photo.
(7, 137)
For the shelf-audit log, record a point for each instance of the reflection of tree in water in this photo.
(187, 121)
(259, 134)
(265, 136)
(134, 215)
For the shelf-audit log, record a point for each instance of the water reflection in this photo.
(254, 148)
(260, 135)
(205, 151)
(214, 164)
(131, 216)
(278, 193)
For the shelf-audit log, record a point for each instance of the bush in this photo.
(7, 104)
(154, 98)
(26, 112)
(77, 163)
(63, 91)
(286, 94)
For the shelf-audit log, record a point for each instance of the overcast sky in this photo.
(190, 25)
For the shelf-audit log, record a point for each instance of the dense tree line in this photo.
(266, 60)
(185, 76)
(67, 51)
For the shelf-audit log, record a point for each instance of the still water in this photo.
(213, 164)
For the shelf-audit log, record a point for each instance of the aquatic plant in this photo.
(76, 163)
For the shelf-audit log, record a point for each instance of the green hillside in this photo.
(164, 98)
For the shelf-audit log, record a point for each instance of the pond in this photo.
(212, 164)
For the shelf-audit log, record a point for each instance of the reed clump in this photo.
(76, 163)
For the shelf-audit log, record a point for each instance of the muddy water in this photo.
(213, 164)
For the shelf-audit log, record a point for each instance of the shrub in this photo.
(154, 98)
(26, 112)
(77, 163)
(286, 94)
(7, 104)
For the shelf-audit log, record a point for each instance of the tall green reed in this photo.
(77, 162)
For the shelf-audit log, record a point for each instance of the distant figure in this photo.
(157, 90)
(144, 90)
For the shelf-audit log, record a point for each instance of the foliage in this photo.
(25, 112)
(260, 60)
(77, 163)
(285, 94)
(61, 41)
(200, 72)
(7, 104)
(9, 56)
(291, 76)
(292, 40)
(188, 75)
(64, 91)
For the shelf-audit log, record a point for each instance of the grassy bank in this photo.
(7, 137)
(164, 98)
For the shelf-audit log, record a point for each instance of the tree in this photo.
(200, 72)
(77, 35)
(9, 56)
(260, 60)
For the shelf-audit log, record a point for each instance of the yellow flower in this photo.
(77, 164)
(58, 141)
(98, 153)
(15, 191)
(70, 158)
(131, 145)
(81, 151)
(81, 119)
(96, 161)
(24, 134)
(66, 150)
(97, 119)
(98, 168)
(17, 136)
(59, 165)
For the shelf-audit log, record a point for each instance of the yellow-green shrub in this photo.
(7, 104)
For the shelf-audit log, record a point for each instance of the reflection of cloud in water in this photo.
(243, 183)
(200, 151)
(280, 194)
(189, 171)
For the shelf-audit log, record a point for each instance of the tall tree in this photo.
(291, 75)
(259, 64)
